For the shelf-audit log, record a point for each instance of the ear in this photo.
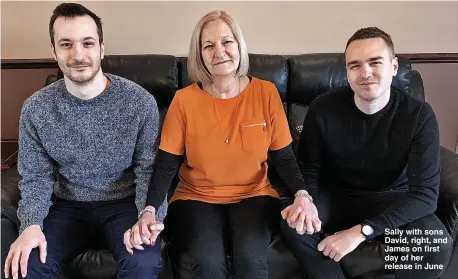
(102, 50)
(395, 64)
(53, 50)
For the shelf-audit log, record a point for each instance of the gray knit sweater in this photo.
(86, 150)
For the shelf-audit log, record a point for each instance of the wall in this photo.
(269, 27)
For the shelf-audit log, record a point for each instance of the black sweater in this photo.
(343, 149)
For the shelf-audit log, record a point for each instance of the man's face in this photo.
(77, 49)
(370, 68)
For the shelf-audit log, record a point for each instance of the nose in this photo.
(220, 50)
(77, 52)
(366, 71)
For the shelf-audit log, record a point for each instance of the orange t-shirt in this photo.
(215, 171)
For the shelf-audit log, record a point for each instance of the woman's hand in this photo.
(145, 231)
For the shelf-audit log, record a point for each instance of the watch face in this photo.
(367, 230)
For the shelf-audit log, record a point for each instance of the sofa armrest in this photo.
(447, 206)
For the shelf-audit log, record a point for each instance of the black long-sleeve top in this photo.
(343, 149)
(167, 164)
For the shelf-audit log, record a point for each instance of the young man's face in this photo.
(77, 49)
(370, 68)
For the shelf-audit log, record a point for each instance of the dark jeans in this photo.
(205, 234)
(343, 211)
(67, 230)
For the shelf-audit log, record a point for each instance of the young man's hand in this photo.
(18, 255)
(145, 231)
(341, 243)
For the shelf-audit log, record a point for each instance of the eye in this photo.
(354, 67)
(376, 63)
(65, 45)
(208, 46)
(227, 42)
(89, 44)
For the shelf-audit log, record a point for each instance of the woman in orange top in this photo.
(224, 126)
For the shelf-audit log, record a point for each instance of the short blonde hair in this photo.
(196, 67)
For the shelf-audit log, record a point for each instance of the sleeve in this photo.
(165, 168)
(173, 133)
(286, 165)
(310, 149)
(36, 168)
(145, 152)
(281, 135)
(423, 175)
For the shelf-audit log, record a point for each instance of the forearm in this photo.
(413, 205)
(165, 169)
(287, 168)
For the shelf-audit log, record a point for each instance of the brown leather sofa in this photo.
(299, 79)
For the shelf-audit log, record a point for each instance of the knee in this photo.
(202, 263)
(37, 269)
(142, 261)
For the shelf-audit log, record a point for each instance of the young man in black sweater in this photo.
(369, 153)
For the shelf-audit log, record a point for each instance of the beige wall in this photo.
(269, 27)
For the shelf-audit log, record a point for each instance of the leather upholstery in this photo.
(299, 79)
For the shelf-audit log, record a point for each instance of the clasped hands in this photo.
(145, 231)
(302, 215)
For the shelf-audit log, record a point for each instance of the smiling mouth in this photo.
(223, 62)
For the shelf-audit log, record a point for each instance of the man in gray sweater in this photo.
(87, 144)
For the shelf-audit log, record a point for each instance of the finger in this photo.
(322, 245)
(316, 224)
(339, 256)
(156, 227)
(327, 250)
(332, 254)
(135, 237)
(8, 261)
(308, 223)
(15, 263)
(127, 242)
(145, 230)
(145, 234)
(42, 245)
(24, 260)
(293, 218)
(300, 222)
(154, 236)
(285, 212)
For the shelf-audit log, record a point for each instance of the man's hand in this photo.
(30, 238)
(341, 243)
(302, 215)
(145, 231)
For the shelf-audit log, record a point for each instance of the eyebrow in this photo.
(84, 39)
(224, 37)
(353, 62)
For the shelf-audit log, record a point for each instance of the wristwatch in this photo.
(367, 231)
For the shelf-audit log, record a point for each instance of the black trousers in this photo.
(204, 234)
(67, 228)
(341, 211)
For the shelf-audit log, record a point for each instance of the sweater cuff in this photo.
(27, 221)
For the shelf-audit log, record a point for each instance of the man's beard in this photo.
(82, 79)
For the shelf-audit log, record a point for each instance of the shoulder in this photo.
(133, 92)
(417, 108)
(332, 98)
(44, 98)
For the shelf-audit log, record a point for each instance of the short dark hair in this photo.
(72, 10)
(370, 33)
